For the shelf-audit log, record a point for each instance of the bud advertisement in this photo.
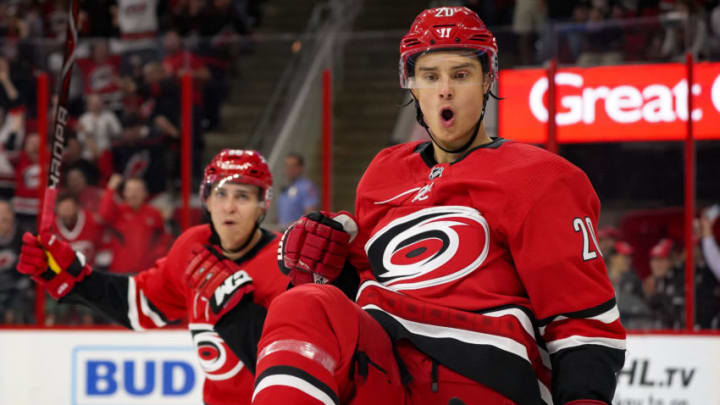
(94, 367)
(86, 367)
(611, 103)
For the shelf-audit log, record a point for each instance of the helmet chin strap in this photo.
(467, 144)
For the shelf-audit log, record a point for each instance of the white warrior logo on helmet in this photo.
(429, 247)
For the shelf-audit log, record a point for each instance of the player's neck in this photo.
(236, 255)
(441, 156)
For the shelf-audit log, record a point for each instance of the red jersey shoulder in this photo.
(393, 166)
(526, 172)
(196, 235)
(525, 164)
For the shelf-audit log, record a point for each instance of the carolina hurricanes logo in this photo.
(429, 247)
(216, 359)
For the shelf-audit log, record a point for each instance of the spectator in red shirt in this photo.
(87, 195)
(101, 75)
(77, 226)
(139, 236)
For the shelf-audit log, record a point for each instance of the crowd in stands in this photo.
(123, 137)
(121, 159)
(650, 285)
(601, 32)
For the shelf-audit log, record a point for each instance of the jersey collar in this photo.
(425, 150)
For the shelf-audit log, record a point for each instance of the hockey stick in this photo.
(47, 214)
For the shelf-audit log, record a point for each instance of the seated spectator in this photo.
(139, 236)
(707, 285)
(101, 76)
(77, 226)
(96, 18)
(299, 196)
(714, 33)
(607, 236)
(141, 152)
(87, 195)
(634, 311)
(12, 120)
(96, 129)
(160, 101)
(177, 62)
(26, 201)
(603, 40)
(73, 158)
(665, 287)
(574, 32)
(138, 23)
(685, 31)
(529, 18)
(188, 17)
(15, 292)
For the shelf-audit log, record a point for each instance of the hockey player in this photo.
(228, 267)
(478, 259)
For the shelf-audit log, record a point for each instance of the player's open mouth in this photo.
(228, 222)
(447, 117)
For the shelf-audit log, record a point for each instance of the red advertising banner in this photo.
(610, 103)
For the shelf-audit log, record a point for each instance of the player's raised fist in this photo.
(52, 263)
(315, 247)
(219, 284)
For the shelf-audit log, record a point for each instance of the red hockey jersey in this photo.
(490, 265)
(27, 185)
(159, 295)
(139, 235)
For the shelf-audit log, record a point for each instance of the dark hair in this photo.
(300, 159)
(67, 195)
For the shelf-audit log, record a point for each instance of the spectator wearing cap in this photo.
(664, 288)
(607, 236)
(634, 311)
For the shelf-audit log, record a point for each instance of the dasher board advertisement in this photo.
(670, 370)
(610, 103)
(89, 367)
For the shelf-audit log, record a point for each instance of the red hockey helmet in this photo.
(446, 28)
(238, 166)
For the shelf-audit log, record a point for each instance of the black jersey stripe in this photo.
(479, 362)
(301, 374)
(585, 313)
